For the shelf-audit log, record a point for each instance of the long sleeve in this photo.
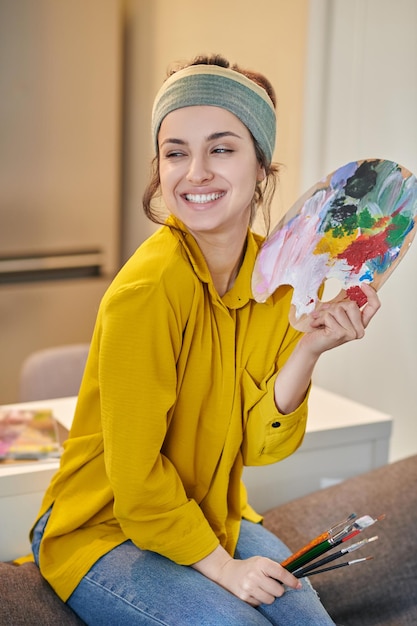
(140, 343)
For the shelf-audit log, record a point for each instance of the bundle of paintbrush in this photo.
(305, 563)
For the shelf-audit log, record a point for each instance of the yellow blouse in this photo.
(176, 397)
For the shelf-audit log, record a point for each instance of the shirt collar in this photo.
(241, 292)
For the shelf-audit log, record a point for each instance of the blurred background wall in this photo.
(360, 101)
(269, 37)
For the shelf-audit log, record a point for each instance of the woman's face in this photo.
(208, 169)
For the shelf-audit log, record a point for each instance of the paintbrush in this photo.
(302, 571)
(348, 532)
(328, 569)
(318, 540)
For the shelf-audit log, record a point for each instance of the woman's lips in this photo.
(203, 198)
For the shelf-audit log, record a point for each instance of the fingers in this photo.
(265, 595)
(257, 580)
(344, 319)
(372, 306)
(341, 320)
(271, 578)
(277, 572)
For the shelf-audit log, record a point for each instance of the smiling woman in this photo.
(188, 379)
(208, 179)
(252, 100)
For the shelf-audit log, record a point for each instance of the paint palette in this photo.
(354, 226)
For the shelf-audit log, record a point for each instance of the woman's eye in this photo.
(222, 150)
(173, 154)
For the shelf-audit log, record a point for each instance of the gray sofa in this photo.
(381, 592)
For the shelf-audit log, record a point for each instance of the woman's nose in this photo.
(199, 170)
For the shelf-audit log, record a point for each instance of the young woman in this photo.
(188, 379)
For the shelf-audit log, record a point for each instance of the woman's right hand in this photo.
(257, 580)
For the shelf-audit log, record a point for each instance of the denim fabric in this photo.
(38, 531)
(129, 586)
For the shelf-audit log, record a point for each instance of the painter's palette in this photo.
(354, 226)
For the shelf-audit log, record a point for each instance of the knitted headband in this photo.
(212, 85)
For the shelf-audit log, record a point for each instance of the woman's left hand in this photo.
(336, 323)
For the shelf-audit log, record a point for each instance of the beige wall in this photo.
(269, 36)
(361, 102)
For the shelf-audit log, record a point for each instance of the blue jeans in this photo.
(128, 586)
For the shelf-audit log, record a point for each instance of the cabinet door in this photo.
(60, 85)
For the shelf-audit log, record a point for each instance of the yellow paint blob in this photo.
(333, 246)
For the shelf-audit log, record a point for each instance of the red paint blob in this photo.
(365, 248)
(356, 295)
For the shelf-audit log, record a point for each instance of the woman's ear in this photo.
(261, 173)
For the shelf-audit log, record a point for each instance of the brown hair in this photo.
(264, 191)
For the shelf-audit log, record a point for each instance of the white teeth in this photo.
(201, 198)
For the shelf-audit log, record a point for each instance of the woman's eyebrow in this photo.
(213, 136)
(220, 135)
(173, 140)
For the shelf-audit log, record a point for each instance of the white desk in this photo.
(343, 439)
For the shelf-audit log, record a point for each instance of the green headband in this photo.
(212, 85)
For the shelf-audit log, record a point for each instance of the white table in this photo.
(343, 439)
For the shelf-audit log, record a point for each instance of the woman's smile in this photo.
(203, 198)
